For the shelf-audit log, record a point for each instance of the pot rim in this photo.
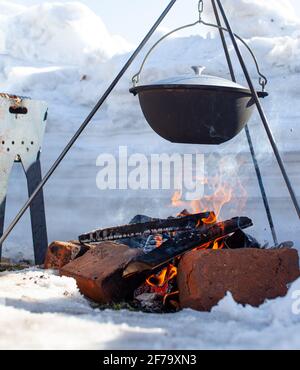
(136, 90)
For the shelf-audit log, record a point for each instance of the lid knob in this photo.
(198, 70)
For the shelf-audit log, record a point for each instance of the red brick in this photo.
(99, 272)
(251, 275)
(61, 253)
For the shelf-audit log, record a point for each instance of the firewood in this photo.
(153, 227)
(183, 243)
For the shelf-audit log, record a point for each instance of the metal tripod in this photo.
(263, 119)
(111, 88)
(247, 130)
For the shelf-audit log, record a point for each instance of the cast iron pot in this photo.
(196, 109)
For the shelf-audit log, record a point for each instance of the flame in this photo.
(222, 193)
(218, 244)
(163, 277)
(204, 246)
(215, 245)
(172, 299)
(172, 272)
(211, 219)
(159, 279)
(159, 240)
(176, 199)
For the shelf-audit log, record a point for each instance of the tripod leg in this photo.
(261, 112)
(37, 212)
(6, 163)
(262, 186)
(2, 217)
(248, 134)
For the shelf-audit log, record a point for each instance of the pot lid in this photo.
(199, 80)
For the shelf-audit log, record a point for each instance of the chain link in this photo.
(200, 9)
(263, 82)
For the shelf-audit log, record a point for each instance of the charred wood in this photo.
(184, 242)
(155, 226)
(240, 240)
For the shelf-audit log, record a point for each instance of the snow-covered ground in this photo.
(40, 310)
(63, 53)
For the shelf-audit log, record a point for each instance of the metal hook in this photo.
(263, 82)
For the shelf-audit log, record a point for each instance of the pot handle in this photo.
(136, 77)
(262, 78)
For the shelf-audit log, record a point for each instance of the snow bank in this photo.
(39, 310)
(61, 33)
(8, 8)
(261, 18)
(279, 311)
(285, 53)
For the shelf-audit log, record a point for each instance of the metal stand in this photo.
(37, 211)
(248, 134)
(22, 128)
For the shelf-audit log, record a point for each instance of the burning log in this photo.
(155, 226)
(183, 243)
(251, 275)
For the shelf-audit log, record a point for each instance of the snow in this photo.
(65, 32)
(39, 310)
(256, 18)
(63, 53)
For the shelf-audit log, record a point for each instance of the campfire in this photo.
(159, 265)
(163, 244)
(151, 262)
(161, 288)
(192, 259)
